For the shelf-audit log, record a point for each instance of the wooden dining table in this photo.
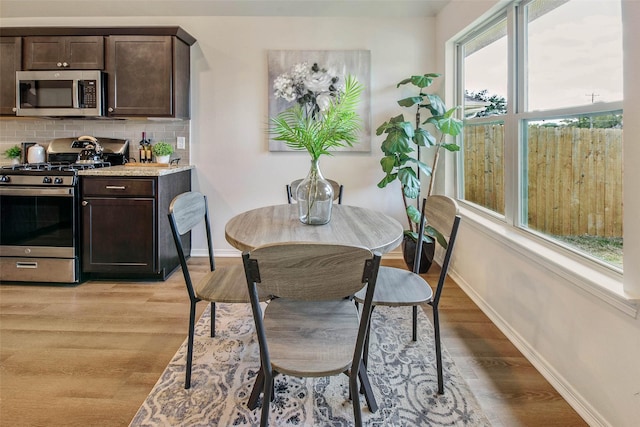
(351, 225)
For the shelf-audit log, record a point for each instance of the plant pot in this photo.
(163, 159)
(409, 253)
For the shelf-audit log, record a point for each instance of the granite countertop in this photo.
(135, 170)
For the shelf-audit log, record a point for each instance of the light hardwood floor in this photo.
(88, 355)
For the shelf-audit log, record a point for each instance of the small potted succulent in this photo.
(13, 153)
(162, 151)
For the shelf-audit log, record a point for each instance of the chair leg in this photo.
(368, 391)
(365, 355)
(213, 319)
(415, 323)
(266, 399)
(355, 398)
(257, 389)
(365, 352)
(192, 319)
(436, 328)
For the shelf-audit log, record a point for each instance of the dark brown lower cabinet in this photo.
(126, 232)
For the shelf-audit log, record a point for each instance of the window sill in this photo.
(604, 284)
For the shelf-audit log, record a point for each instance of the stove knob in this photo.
(57, 180)
(46, 180)
(5, 178)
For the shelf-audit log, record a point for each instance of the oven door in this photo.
(39, 234)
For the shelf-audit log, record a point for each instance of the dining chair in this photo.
(224, 285)
(399, 287)
(291, 190)
(311, 327)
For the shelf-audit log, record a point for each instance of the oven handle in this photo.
(36, 191)
(26, 265)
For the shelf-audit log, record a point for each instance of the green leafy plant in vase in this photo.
(162, 151)
(323, 117)
(13, 153)
(401, 161)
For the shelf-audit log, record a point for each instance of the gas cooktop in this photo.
(55, 166)
(64, 162)
(50, 173)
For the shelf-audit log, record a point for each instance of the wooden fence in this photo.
(574, 177)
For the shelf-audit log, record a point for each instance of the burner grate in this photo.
(55, 166)
(84, 166)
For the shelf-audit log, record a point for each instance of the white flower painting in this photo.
(312, 78)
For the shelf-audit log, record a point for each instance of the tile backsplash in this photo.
(14, 131)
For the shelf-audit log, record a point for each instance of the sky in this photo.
(574, 57)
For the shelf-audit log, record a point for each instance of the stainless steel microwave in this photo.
(71, 93)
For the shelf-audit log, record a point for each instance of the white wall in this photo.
(230, 90)
(588, 349)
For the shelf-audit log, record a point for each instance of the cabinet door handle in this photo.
(59, 64)
(116, 187)
(26, 265)
(85, 203)
(65, 64)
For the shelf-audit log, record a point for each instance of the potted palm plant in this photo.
(401, 160)
(322, 117)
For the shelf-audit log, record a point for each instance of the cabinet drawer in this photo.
(123, 187)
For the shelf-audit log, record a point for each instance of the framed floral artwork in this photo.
(314, 77)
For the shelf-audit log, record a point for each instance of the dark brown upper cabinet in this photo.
(10, 62)
(148, 76)
(64, 53)
(147, 67)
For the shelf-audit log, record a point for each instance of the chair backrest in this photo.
(186, 211)
(441, 213)
(310, 271)
(291, 190)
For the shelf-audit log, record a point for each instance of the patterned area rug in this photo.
(402, 374)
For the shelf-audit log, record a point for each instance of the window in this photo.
(544, 153)
(484, 58)
(573, 53)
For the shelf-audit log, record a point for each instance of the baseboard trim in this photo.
(573, 398)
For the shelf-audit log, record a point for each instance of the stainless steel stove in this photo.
(40, 217)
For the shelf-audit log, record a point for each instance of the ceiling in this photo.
(327, 8)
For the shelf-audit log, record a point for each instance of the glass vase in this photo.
(315, 197)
